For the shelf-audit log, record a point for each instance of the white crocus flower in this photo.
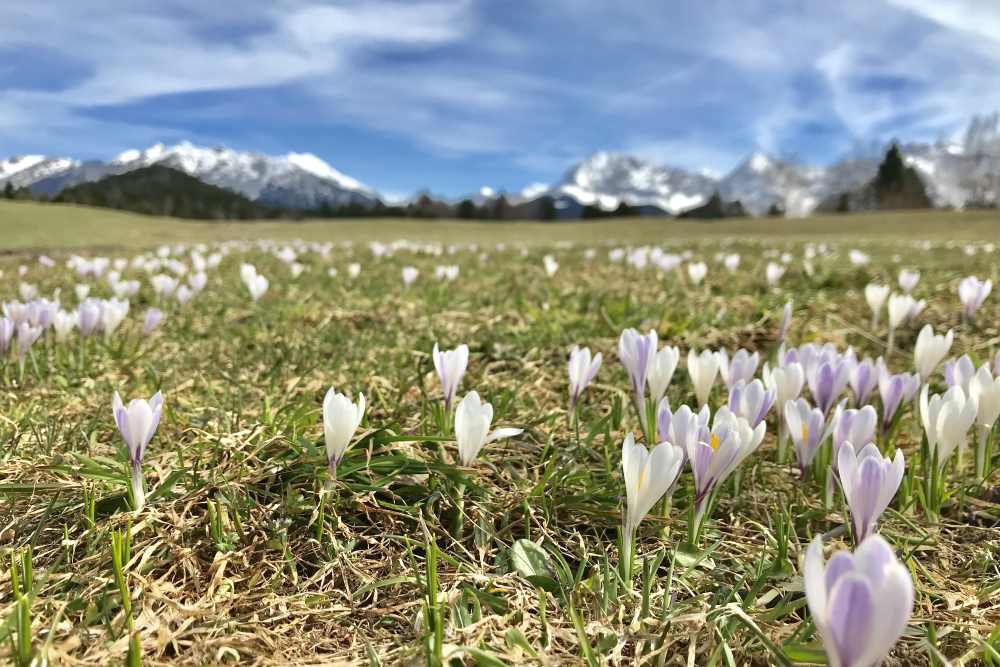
(472, 428)
(876, 295)
(930, 349)
(946, 420)
(661, 371)
(648, 475)
(703, 368)
(341, 419)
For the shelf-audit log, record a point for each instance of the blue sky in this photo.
(456, 94)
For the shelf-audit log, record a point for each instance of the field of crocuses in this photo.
(692, 453)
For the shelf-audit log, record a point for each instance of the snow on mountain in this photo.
(607, 179)
(295, 180)
(23, 170)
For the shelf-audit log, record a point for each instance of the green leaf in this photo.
(531, 562)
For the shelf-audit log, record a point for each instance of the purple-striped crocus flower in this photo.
(718, 452)
(895, 390)
(450, 366)
(869, 482)
(863, 379)
(582, 369)
(152, 320)
(137, 424)
(827, 382)
(852, 426)
(636, 352)
(807, 428)
(751, 401)
(972, 292)
(89, 316)
(959, 372)
(742, 366)
(860, 602)
(702, 369)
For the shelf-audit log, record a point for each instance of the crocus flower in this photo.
(582, 369)
(27, 334)
(828, 381)
(137, 424)
(450, 366)
(853, 426)
(930, 349)
(636, 353)
(717, 453)
(876, 295)
(152, 320)
(257, 286)
(731, 262)
(648, 475)
(409, 274)
(681, 428)
(82, 291)
(863, 378)
(972, 292)
(472, 428)
(773, 273)
(63, 324)
(984, 389)
(697, 272)
(895, 390)
(900, 306)
(946, 420)
(916, 308)
(353, 270)
(341, 419)
(113, 312)
(661, 371)
(807, 428)
(786, 381)
(702, 368)
(742, 366)
(786, 321)
(869, 482)
(908, 280)
(88, 316)
(751, 401)
(550, 265)
(6, 333)
(860, 603)
(959, 372)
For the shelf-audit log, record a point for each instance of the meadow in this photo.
(263, 519)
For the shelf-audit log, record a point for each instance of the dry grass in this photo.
(283, 582)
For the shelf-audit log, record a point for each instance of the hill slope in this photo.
(159, 190)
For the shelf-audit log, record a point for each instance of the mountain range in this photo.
(956, 174)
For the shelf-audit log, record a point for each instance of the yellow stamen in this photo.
(715, 442)
(805, 433)
(642, 478)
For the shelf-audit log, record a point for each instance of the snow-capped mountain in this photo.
(295, 180)
(23, 170)
(956, 174)
(607, 179)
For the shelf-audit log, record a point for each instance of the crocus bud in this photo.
(137, 424)
(702, 368)
(450, 366)
(582, 369)
(341, 419)
(930, 349)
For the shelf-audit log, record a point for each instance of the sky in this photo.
(453, 95)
